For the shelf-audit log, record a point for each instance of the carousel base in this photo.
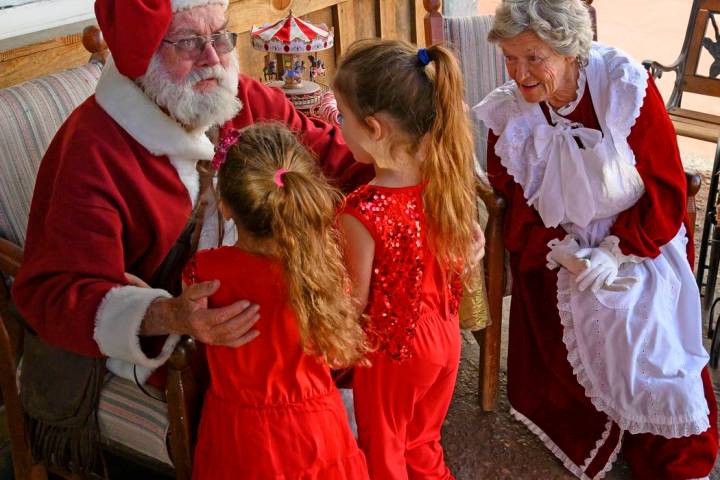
(303, 96)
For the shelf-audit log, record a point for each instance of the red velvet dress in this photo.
(542, 387)
(271, 410)
(402, 399)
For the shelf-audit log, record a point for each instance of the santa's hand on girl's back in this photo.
(188, 314)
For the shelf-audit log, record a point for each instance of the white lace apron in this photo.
(638, 354)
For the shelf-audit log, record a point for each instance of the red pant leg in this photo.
(424, 454)
(655, 457)
(400, 407)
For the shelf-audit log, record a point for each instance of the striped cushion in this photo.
(482, 64)
(30, 115)
(134, 420)
(130, 418)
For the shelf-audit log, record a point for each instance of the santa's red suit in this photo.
(592, 371)
(113, 192)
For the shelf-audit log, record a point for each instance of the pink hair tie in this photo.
(278, 177)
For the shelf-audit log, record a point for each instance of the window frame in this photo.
(44, 20)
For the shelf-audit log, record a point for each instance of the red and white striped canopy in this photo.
(291, 35)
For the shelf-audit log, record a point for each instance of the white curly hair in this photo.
(565, 25)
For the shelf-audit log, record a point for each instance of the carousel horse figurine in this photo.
(299, 65)
(270, 69)
(292, 77)
(317, 67)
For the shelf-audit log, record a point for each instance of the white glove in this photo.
(560, 250)
(603, 271)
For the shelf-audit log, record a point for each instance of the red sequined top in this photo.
(407, 281)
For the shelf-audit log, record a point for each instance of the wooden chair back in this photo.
(696, 71)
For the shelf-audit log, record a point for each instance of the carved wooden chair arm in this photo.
(181, 357)
(186, 383)
(494, 202)
(656, 69)
(694, 181)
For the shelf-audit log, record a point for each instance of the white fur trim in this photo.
(178, 5)
(128, 105)
(117, 328)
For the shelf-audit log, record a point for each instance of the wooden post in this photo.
(433, 22)
(93, 41)
(344, 21)
(490, 338)
(186, 383)
(593, 18)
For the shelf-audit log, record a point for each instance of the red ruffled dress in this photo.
(271, 411)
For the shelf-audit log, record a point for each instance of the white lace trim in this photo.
(601, 441)
(668, 427)
(617, 102)
(566, 110)
(628, 82)
(566, 461)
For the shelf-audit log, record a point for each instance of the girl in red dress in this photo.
(409, 233)
(272, 410)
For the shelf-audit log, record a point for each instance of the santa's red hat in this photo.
(133, 29)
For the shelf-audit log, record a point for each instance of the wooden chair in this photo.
(692, 75)
(454, 31)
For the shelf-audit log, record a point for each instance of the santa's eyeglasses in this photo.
(191, 48)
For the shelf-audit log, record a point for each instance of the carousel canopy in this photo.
(291, 35)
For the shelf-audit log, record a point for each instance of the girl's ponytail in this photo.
(277, 193)
(449, 166)
(303, 224)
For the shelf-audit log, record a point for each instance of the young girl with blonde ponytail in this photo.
(272, 410)
(409, 236)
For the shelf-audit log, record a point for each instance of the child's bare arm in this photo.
(359, 255)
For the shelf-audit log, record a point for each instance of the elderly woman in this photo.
(605, 330)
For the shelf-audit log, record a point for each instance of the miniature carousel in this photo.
(287, 43)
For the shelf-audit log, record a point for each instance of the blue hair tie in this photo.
(424, 57)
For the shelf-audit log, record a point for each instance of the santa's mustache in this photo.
(216, 72)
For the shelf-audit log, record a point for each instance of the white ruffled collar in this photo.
(566, 110)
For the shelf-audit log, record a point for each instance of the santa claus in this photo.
(120, 181)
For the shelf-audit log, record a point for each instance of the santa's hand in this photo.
(188, 314)
(603, 268)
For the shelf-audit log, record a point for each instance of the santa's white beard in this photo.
(191, 108)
